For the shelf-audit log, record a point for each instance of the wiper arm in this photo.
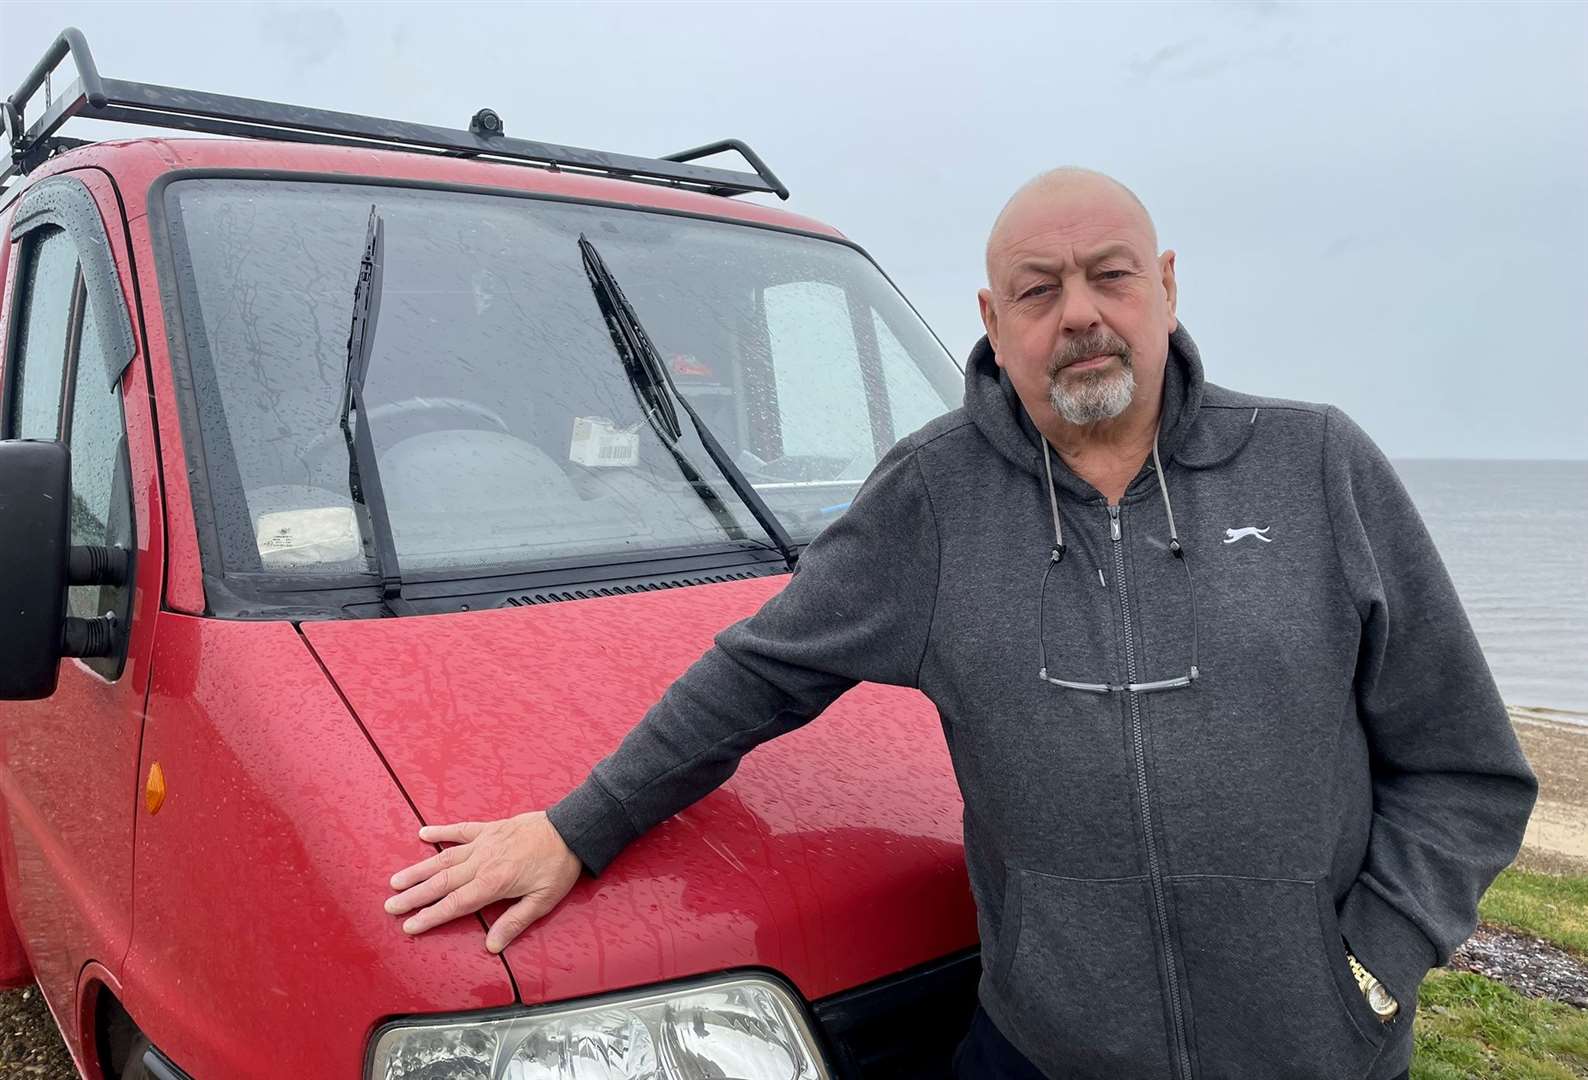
(654, 383)
(369, 500)
(640, 362)
(658, 410)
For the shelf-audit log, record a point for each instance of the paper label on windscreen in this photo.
(302, 537)
(600, 443)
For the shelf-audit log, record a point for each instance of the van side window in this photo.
(912, 401)
(816, 363)
(96, 434)
(49, 286)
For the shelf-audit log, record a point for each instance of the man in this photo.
(1235, 770)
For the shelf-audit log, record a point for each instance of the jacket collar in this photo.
(996, 409)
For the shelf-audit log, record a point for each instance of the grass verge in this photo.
(1471, 1027)
(1549, 906)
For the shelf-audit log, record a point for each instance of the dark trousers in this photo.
(984, 1054)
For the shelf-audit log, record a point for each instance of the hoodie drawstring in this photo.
(1053, 502)
(1163, 488)
(1175, 547)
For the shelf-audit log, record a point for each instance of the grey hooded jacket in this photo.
(1165, 882)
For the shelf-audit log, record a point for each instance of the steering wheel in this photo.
(412, 416)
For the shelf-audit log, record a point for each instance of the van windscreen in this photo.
(506, 431)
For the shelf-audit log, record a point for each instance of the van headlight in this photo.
(743, 1027)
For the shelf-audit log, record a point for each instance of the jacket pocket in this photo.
(1077, 974)
(1271, 993)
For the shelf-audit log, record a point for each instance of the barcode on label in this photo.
(598, 442)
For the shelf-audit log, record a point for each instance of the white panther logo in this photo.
(1232, 535)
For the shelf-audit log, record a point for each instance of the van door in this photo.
(74, 371)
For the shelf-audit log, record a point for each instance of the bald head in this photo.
(1066, 191)
(1079, 306)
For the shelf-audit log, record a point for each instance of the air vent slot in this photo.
(557, 596)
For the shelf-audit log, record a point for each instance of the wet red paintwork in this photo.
(68, 767)
(242, 925)
(833, 855)
(14, 967)
(262, 949)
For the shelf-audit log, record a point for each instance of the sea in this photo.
(1514, 537)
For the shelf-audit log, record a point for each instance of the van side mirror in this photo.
(35, 504)
(37, 563)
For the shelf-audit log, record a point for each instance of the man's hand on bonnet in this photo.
(520, 857)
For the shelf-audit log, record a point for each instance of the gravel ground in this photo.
(1557, 842)
(1527, 965)
(30, 1045)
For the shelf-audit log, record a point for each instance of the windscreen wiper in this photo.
(654, 404)
(654, 384)
(369, 500)
(640, 362)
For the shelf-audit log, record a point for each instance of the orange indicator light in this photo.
(154, 790)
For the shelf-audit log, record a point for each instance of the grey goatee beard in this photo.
(1092, 396)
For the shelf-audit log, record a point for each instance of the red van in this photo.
(360, 474)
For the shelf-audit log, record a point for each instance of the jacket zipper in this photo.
(1138, 747)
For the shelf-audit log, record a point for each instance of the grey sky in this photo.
(1385, 207)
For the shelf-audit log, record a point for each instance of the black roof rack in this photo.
(98, 98)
